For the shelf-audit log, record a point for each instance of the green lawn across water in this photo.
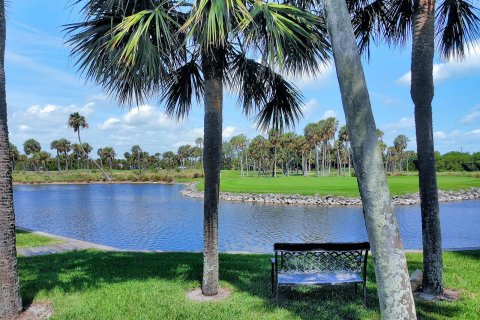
(27, 239)
(121, 285)
(231, 181)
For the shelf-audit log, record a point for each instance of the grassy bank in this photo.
(27, 239)
(99, 285)
(83, 176)
(231, 181)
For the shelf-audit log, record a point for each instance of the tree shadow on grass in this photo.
(250, 274)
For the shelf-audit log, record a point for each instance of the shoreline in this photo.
(285, 199)
(328, 201)
(85, 245)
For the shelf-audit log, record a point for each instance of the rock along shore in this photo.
(331, 201)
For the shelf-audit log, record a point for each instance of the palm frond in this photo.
(369, 21)
(400, 17)
(276, 102)
(127, 55)
(179, 87)
(288, 37)
(212, 21)
(458, 24)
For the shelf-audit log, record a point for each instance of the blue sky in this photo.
(44, 87)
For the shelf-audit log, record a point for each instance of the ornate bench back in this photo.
(321, 258)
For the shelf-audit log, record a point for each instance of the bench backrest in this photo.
(321, 257)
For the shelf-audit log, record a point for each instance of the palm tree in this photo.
(10, 301)
(343, 136)
(87, 148)
(274, 138)
(199, 143)
(456, 24)
(396, 299)
(31, 146)
(77, 122)
(400, 144)
(110, 156)
(64, 146)
(137, 49)
(54, 145)
(15, 154)
(240, 143)
(137, 154)
(313, 135)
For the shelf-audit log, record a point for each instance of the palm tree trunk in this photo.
(394, 291)
(212, 65)
(58, 162)
(422, 92)
(10, 301)
(316, 161)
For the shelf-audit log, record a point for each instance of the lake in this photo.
(157, 217)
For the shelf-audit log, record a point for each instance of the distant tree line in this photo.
(68, 156)
(322, 150)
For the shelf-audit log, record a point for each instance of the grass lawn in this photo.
(27, 239)
(119, 285)
(231, 181)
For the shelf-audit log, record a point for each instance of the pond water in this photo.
(157, 217)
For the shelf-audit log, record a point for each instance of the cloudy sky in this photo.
(44, 87)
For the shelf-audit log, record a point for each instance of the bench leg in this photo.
(365, 294)
(276, 294)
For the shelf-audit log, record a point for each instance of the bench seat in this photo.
(318, 278)
(311, 264)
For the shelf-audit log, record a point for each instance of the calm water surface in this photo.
(157, 217)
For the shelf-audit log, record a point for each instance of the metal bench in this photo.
(310, 264)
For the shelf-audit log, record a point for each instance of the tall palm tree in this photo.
(395, 295)
(76, 121)
(199, 143)
(64, 146)
(313, 135)
(455, 25)
(400, 143)
(15, 154)
(137, 154)
(343, 136)
(240, 143)
(109, 156)
(54, 145)
(274, 138)
(10, 301)
(139, 49)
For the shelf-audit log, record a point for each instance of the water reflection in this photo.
(157, 217)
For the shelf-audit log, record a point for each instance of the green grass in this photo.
(231, 181)
(27, 239)
(81, 176)
(102, 285)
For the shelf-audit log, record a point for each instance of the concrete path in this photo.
(68, 244)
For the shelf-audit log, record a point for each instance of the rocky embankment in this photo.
(444, 196)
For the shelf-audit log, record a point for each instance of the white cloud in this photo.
(404, 123)
(453, 68)
(229, 132)
(472, 116)
(329, 114)
(108, 124)
(309, 108)
(439, 135)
